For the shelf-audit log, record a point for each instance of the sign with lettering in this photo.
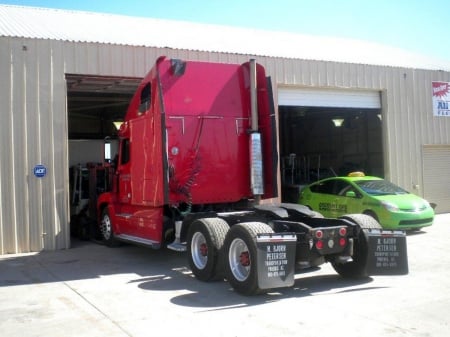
(40, 171)
(441, 98)
(276, 260)
(387, 253)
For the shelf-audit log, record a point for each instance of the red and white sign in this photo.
(441, 98)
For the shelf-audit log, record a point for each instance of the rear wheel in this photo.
(205, 240)
(358, 267)
(240, 256)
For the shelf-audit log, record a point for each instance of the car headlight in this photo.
(390, 206)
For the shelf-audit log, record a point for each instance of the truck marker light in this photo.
(342, 231)
(330, 243)
(319, 234)
(319, 244)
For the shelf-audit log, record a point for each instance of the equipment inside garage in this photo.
(319, 142)
(96, 106)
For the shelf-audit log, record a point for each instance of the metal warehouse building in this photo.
(66, 76)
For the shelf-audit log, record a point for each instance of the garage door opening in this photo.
(319, 142)
(96, 106)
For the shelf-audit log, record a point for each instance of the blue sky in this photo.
(415, 25)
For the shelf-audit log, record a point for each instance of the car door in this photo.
(323, 198)
(347, 198)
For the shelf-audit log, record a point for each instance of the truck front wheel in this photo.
(357, 268)
(205, 239)
(241, 256)
(106, 229)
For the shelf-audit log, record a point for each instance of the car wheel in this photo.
(371, 214)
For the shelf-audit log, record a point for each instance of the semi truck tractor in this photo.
(197, 172)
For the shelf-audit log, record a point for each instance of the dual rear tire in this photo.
(205, 240)
(216, 251)
(240, 254)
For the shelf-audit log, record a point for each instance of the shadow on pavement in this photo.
(156, 271)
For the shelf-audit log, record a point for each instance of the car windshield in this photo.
(379, 187)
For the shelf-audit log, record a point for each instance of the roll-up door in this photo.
(337, 98)
(436, 176)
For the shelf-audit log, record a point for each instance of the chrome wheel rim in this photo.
(106, 227)
(199, 250)
(239, 259)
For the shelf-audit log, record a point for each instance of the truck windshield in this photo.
(379, 187)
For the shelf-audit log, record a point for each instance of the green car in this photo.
(392, 206)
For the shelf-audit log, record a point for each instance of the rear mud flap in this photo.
(276, 260)
(387, 253)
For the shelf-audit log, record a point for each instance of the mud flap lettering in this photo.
(276, 260)
(387, 253)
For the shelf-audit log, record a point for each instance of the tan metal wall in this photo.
(408, 120)
(436, 175)
(33, 128)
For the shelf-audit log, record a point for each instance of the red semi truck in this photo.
(197, 172)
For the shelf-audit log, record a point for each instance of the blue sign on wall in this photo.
(40, 171)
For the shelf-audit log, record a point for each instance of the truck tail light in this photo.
(319, 244)
(342, 231)
(342, 242)
(319, 234)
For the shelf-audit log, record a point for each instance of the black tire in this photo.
(241, 256)
(106, 230)
(205, 240)
(358, 267)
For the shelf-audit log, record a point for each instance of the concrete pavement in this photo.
(92, 290)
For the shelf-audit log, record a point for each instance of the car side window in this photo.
(324, 187)
(342, 187)
(348, 190)
(144, 103)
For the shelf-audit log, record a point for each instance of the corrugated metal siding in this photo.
(408, 121)
(33, 129)
(64, 25)
(410, 124)
(436, 164)
(35, 212)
